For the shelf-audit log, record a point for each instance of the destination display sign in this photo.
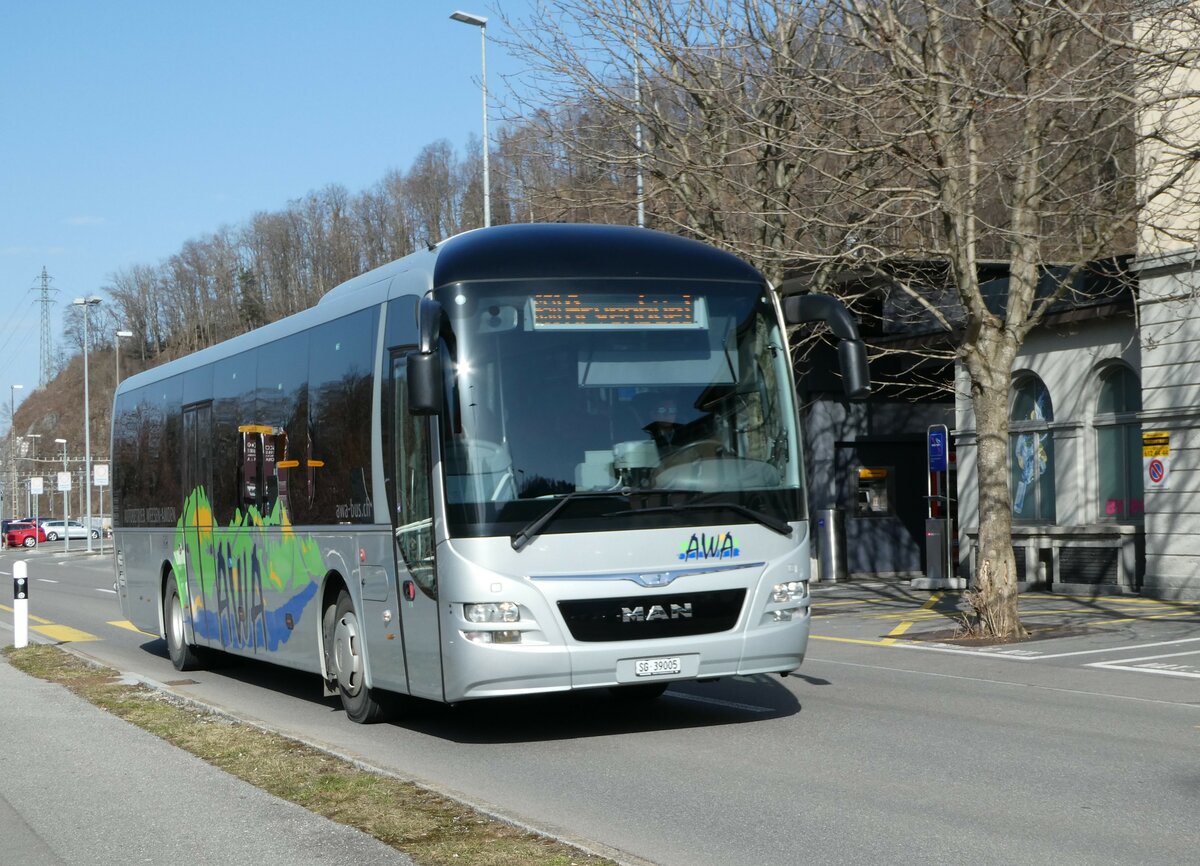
(567, 310)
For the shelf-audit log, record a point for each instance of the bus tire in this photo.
(363, 705)
(183, 655)
(638, 692)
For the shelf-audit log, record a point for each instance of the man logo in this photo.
(657, 611)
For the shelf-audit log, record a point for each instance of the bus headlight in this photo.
(492, 611)
(493, 636)
(792, 591)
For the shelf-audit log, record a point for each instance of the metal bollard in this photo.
(20, 604)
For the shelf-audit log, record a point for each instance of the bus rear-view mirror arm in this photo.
(852, 354)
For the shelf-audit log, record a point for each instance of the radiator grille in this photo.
(652, 616)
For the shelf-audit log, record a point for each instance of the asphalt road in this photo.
(1082, 747)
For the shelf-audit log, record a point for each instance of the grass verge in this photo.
(429, 828)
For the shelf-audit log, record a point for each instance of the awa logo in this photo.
(701, 545)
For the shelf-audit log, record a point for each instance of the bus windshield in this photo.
(649, 404)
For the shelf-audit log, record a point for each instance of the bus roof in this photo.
(508, 252)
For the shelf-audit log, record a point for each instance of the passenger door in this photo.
(412, 523)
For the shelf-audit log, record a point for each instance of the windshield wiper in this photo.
(535, 527)
(770, 522)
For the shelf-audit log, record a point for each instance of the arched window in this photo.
(1119, 445)
(1031, 452)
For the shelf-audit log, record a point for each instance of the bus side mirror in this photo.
(424, 366)
(852, 354)
(424, 373)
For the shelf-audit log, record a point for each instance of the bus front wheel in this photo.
(183, 654)
(347, 666)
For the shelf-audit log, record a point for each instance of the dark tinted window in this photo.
(233, 402)
(146, 455)
(340, 367)
(282, 406)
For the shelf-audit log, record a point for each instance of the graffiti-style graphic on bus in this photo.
(719, 545)
(239, 574)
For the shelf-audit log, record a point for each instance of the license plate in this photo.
(657, 667)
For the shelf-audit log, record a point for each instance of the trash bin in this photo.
(831, 544)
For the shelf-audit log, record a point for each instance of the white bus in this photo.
(530, 458)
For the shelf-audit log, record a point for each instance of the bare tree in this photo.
(854, 134)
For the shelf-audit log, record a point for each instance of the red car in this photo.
(24, 535)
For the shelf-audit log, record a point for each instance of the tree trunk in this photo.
(994, 596)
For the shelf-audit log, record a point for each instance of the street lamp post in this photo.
(12, 430)
(117, 354)
(87, 304)
(35, 437)
(481, 23)
(65, 493)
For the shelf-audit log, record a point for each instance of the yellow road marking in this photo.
(910, 618)
(128, 626)
(910, 614)
(882, 642)
(1140, 618)
(64, 633)
(32, 618)
(1112, 599)
(820, 603)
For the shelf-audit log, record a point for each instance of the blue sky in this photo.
(128, 127)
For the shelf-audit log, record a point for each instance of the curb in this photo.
(490, 810)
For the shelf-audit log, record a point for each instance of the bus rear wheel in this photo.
(346, 665)
(183, 655)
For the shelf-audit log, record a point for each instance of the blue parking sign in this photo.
(937, 449)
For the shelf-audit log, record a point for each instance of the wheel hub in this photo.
(347, 653)
(176, 623)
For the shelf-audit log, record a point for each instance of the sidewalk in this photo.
(79, 786)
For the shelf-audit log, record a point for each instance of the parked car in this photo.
(24, 534)
(8, 522)
(55, 530)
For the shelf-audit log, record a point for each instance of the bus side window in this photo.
(262, 468)
(248, 469)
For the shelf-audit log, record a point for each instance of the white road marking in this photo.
(1152, 665)
(718, 702)
(1012, 683)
